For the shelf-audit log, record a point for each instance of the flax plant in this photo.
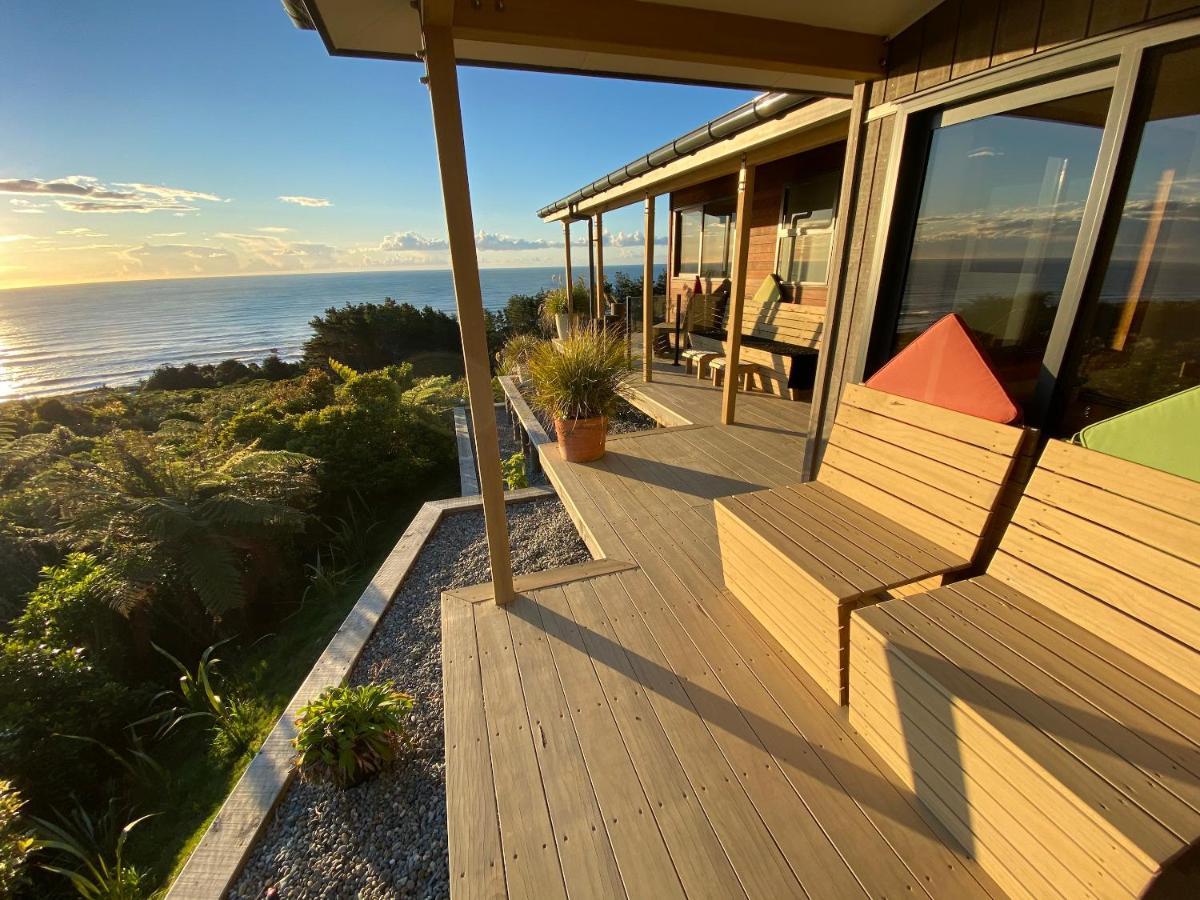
(581, 376)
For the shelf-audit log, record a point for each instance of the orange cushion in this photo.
(945, 367)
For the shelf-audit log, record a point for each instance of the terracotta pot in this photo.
(581, 440)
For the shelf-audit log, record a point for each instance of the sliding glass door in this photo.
(997, 220)
(1137, 338)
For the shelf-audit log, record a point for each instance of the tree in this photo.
(199, 525)
(368, 336)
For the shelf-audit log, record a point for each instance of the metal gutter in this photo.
(759, 110)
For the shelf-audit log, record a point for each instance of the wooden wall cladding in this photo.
(960, 37)
(770, 181)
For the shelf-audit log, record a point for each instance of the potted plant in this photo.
(577, 383)
(556, 307)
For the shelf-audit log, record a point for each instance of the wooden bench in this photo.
(774, 334)
(1048, 712)
(905, 493)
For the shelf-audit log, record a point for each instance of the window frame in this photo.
(676, 223)
(784, 229)
(914, 123)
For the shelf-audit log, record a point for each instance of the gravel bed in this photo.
(387, 837)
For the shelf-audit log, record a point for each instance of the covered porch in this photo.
(627, 729)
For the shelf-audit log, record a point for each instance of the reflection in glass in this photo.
(1140, 332)
(999, 213)
(806, 230)
(689, 242)
(718, 239)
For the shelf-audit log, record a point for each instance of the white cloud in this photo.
(305, 201)
(629, 239)
(273, 229)
(260, 250)
(168, 234)
(14, 238)
(410, 240)
(85, 194)
(80, 232)
(27, 206)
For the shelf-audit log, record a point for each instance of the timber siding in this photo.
(953, 40)
(961, 37)
(770, 180)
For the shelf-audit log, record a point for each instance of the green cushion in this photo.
(1163, 435)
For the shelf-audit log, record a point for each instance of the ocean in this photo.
(58, 340)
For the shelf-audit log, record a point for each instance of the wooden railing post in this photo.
(460, 229)
(648, 296)
(598, 238)
(567, 245)
(737, 297)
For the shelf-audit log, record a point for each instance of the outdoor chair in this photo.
(1048, 712)
(906, 493)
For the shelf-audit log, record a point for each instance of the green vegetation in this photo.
(580, 377)
(142, 532)
(16, 843)
(513, 469)
(351, 733)
(514, 357)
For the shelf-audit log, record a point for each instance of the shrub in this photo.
(234, 722)
(351, 733)
(522, 314)
(367, 336)
(513, 469)
(99, 869)
(581, 377)
(15, 842)
(514, 358)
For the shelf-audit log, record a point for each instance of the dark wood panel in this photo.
(1167, 7)
(939, 38)
(1063, 21)
(904, 59)
(1016, 30)
(976, 35)
(1109, 15)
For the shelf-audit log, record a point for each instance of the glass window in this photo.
(1138, 336)
(999, 213)
(806, 230)
(718, 239)
(687, 233)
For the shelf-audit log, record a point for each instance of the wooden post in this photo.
(598, 238)
(567, 244)
(460, 228)
(737, 297)
(648, 297)
(591, 245)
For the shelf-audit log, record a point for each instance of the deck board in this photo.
(670, 746)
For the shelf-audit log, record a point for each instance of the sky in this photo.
(160, 138)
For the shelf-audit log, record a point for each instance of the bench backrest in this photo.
(770, 319)
(1114, 547)
(788, 323)
(935, 471)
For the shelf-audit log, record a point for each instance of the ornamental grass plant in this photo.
(581, 376)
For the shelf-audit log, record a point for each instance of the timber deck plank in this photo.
(727, 768)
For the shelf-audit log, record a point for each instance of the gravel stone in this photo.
(387, 837)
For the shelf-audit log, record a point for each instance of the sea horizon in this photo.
(64, 339)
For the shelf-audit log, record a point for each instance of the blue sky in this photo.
(176, 127)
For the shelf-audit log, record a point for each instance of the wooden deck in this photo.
(626, 729)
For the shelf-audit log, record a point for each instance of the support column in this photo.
(737, 297)
(567, 245)
(598, 240)
(460, 228)
(648, 296)
(591, 245)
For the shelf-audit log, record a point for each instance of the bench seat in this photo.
(1052, 739)
(905, 494)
